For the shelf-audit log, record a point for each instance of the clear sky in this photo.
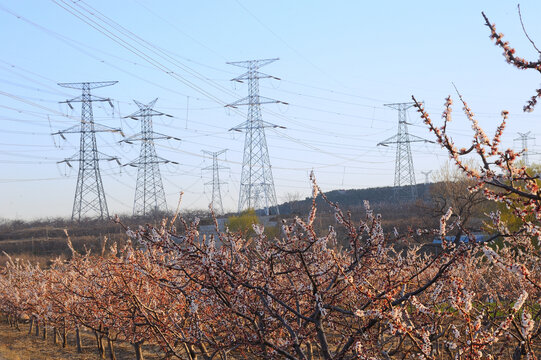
(339, 63)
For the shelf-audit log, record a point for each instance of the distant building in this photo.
(479, 237)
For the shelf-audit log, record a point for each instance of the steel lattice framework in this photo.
(524, 137)
(216, 201)
(89, 195)
(149, 193)
(404, 172)
(256, 184)
(427, 174)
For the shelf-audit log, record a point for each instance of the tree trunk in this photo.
(99, 344)
(64, 336)
(112, 355)
(55, 336)
(193, 354)
(97, 339)
(31, 325)
(517, 354)
(188, 352)
(44, 332)
(102, 347)
(78, 339)
(204, 351)
(37, 327)
(309, 350)
(138, 350)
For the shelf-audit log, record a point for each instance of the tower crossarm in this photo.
(254, 75)
(140, 137)
(247, 125)
(156, 160)
(148, 106)
(215, 153)
(97, 128)
(248, 63)
(523, 135)
(90, 98)
(71, 130)
(415, 138)
(391, 140)
(146, 110)
(400, 106)
(100, 157)
(395, 139)
(248, 100)
(89, 85)
(138, 114)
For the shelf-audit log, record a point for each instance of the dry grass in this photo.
(18, 345)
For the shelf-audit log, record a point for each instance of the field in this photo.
(19, 345)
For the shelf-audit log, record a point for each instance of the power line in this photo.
(93, 13)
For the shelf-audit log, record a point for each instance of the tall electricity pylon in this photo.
(89, 195)
(426, 174)
(524, 137)
(404, 172)
(256, 183)
(149, 194)
(217, 205)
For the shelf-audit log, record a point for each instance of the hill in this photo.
(352, 198)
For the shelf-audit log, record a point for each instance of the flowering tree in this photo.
(502, 178)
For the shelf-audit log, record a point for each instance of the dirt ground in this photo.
(19, 345)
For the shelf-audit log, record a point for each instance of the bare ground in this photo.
(19, 345)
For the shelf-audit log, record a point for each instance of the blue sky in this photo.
(339, 63)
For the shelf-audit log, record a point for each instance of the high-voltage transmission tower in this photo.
(426, 174)
(404, 172)
(524, 137)
(256, 183)
(216, 202)
(149, 194)
(89, 195)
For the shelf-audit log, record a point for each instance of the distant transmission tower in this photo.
(256, 183)
(89, 195)
(524, 137)
(404, 172)
(217, 205)
(149, 194)
(426, 174)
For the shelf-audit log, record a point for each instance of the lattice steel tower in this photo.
(89, 195)
(217, 205)
(426, 174)
(524, 137)
(256, 183)
(149, 194)
(404, 172)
